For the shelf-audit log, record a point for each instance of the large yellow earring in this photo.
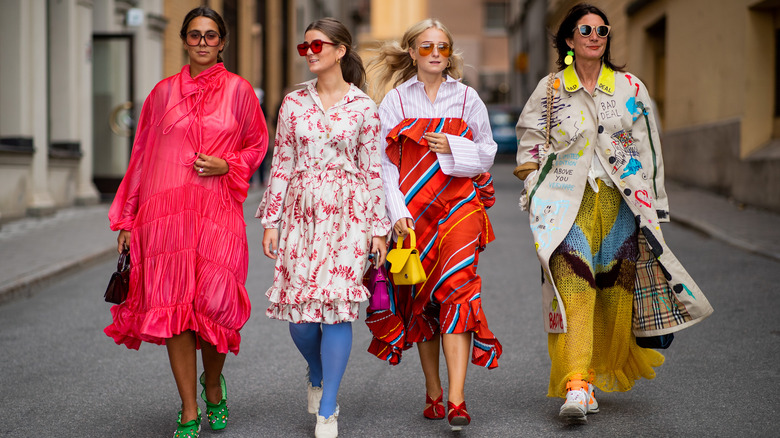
(569, 59)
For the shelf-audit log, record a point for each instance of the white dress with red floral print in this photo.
(326, 198)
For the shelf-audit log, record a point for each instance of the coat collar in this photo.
(606, 82)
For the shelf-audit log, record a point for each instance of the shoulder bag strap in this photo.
(548, 115)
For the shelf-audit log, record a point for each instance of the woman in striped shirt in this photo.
(439, 148)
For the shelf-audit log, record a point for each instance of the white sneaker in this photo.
(314, 395)
(327, 427)
(576, 406)
(593, 405)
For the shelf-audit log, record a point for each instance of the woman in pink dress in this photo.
(200, 137)
(324, 211)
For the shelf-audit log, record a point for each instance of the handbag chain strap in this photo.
(548, 116)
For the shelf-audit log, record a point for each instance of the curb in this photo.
(27, 285)
(722, 235)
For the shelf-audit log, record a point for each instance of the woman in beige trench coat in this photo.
(596, 198)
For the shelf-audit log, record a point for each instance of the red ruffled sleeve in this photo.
(243, 163)
(125, 205)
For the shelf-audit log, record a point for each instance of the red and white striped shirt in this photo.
(468, 158)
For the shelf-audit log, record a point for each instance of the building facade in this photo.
(478, 28)
(712, 68)
(78, 74)
(66, 96)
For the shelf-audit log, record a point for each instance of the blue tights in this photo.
(326, 348)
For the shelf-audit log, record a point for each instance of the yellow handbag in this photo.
(405, 265)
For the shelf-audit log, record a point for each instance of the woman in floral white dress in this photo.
(324, 211)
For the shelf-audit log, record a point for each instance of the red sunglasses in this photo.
(315, 45)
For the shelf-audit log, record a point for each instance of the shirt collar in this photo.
(414, 80)
(352, 95)
(606, 82)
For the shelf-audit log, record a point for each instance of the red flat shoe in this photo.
(436, 410)
(458, 417)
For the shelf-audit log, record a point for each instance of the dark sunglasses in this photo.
(426, 48)
(586, 30)
(194, 38)
(315, 46)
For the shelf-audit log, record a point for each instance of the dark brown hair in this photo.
(205, 11)
(566, 30)
(352, 69)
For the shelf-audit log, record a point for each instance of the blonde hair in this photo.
(393, 64)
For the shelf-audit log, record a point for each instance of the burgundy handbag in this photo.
(119, 285)
(375, 280)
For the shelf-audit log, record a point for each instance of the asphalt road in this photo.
(61, 376)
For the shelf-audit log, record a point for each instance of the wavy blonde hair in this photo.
(393, 64)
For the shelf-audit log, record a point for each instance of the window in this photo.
(777, 72)
(495, 15)
(776, 122)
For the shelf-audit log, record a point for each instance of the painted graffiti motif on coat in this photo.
(615, 129)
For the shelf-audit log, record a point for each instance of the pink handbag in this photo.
(375, 280)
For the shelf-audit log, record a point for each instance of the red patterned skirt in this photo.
(452, 228)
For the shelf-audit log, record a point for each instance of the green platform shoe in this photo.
(190, 429)
(217, 414)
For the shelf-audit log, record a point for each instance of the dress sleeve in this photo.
(645, 131)
(390, 116)
(530, 130)
(470, 158)
(370, 163)
(242, 163)
(125, 205)
(282, 166)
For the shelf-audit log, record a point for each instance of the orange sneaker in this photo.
(575, 408)
(593, 405)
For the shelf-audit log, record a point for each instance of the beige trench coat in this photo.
(616, 124)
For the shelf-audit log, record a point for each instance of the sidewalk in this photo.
(752, 230)
(36, 251)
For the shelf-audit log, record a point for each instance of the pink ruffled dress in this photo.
(188, 247)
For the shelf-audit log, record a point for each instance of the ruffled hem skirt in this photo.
(324, 241)
(189, 265)
(157, 325)
(316, 304)
(392, 334)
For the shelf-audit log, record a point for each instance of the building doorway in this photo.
(113, 117)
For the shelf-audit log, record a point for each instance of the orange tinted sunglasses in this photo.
(426, 48)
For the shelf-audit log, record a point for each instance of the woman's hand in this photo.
(401, 227)
(206, 165)
(379, 245)
(438, 143)
(271, 243)
(123, 240)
